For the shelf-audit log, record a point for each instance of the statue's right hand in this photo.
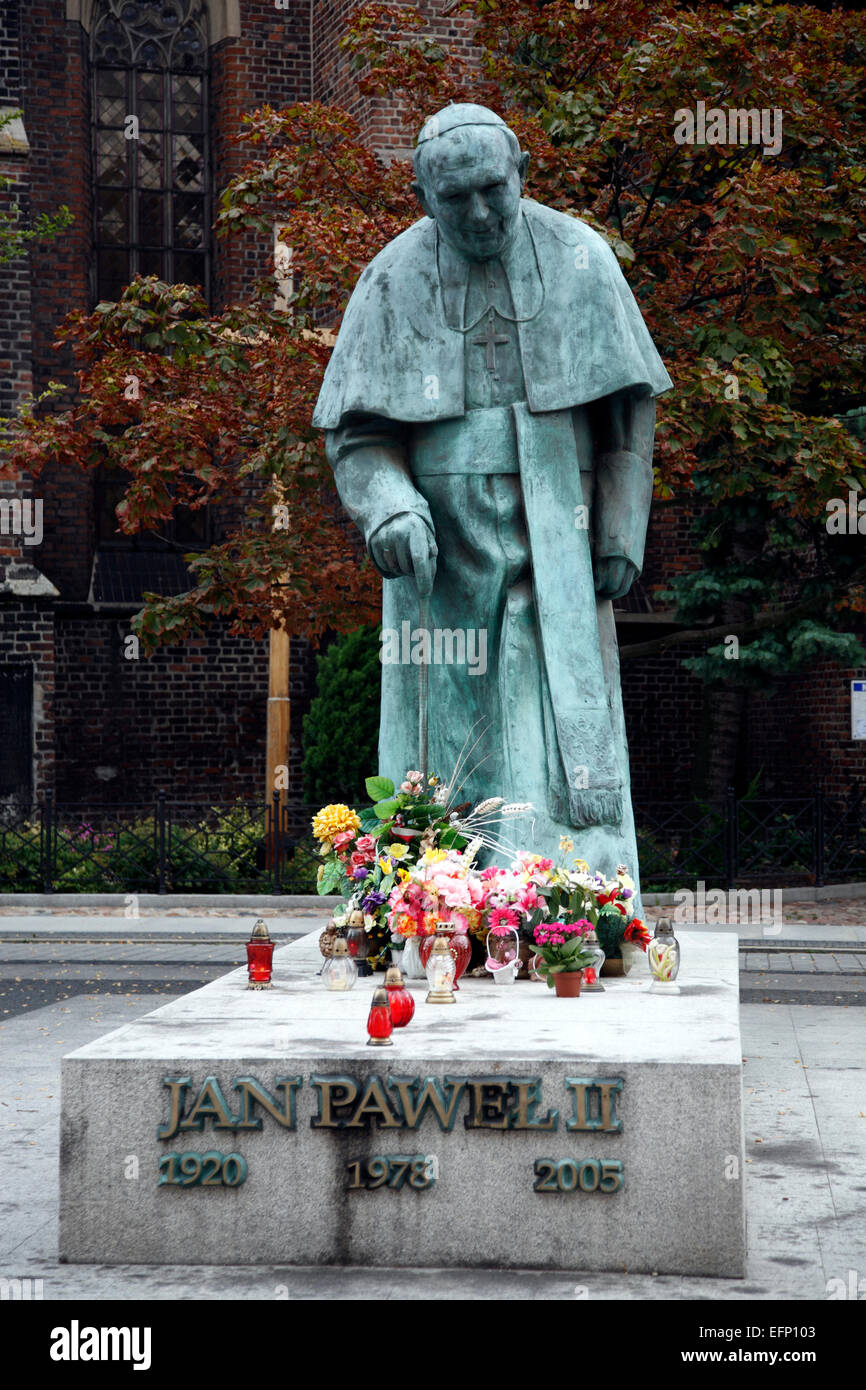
(405, 545)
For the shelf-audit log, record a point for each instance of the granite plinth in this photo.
(674, 1125)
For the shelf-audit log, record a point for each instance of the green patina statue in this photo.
(489, 415)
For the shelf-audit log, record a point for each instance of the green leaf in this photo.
(386, 809)
(331, 877)
(378, 788)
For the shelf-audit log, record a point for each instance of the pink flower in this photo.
(366, 845)
(503, 917)
(344, 838)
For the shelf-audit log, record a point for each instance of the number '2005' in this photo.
(589, 1175)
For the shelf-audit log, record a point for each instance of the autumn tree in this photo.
(746, 262)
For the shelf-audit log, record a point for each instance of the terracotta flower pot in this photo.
(567, 983)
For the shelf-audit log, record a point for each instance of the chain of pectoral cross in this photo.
(491, 340)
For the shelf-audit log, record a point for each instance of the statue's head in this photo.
(469, 173)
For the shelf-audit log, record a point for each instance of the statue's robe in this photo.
(526, 457)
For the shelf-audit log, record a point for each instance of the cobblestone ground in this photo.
(842, 912)
(838, 912)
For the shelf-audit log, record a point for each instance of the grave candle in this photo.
(260, 952)
(379, 1024)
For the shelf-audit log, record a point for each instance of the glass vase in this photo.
(411, 963)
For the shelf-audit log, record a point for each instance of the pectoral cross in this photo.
(490, 341)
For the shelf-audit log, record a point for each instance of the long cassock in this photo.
(509, 405)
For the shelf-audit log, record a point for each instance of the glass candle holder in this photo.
(591, 983)
(379, 1022)
(663, 958)
(356, 940)
(401, 1001)
(260, 954)
(339, 971)
(440, 973)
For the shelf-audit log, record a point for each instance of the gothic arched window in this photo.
(149, 65)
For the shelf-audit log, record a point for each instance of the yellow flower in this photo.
(403, 874)
(398, 851)
(433, 856)
(333, 820)
(581, 866)
(319, 873)
(566, 845)
(385, 865)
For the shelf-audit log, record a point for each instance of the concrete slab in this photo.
(510, 1065)
(790, 1256)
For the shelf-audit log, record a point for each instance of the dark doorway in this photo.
(16, 734)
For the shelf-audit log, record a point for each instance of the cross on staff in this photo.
(491, 340)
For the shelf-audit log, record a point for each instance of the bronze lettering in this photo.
(594, 1094)
(528, 1097)
(178, 1085)
(429, 1093)
(374, 1102)
(210, 1103)
(488, 1111)
(326, 1086)
(254, 1093)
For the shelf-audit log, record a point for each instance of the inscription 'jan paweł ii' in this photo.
(503, 1103)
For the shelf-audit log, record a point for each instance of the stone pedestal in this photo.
(508, 1091)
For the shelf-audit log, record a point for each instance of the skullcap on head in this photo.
(460, 113)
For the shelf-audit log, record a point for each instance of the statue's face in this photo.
(472, 189)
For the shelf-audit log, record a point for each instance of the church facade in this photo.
(77, 718)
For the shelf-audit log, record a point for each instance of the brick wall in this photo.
(335, 82)
(189, 718)
(269, 64)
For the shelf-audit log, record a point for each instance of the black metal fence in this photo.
(248, 847)
(159, 847)
(803, 840)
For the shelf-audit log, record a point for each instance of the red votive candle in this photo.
(380, 1024)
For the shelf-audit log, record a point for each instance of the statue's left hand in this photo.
(614, 576)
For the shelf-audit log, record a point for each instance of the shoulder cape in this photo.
(397, 356)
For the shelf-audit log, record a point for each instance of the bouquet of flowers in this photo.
(577, 894)
(514, 896)
(366, 854)
(443, 888)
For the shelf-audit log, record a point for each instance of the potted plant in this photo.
(562, 946)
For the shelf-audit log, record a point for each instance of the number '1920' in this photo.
(211, 1169)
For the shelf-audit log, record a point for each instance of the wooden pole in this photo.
(279, 718)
